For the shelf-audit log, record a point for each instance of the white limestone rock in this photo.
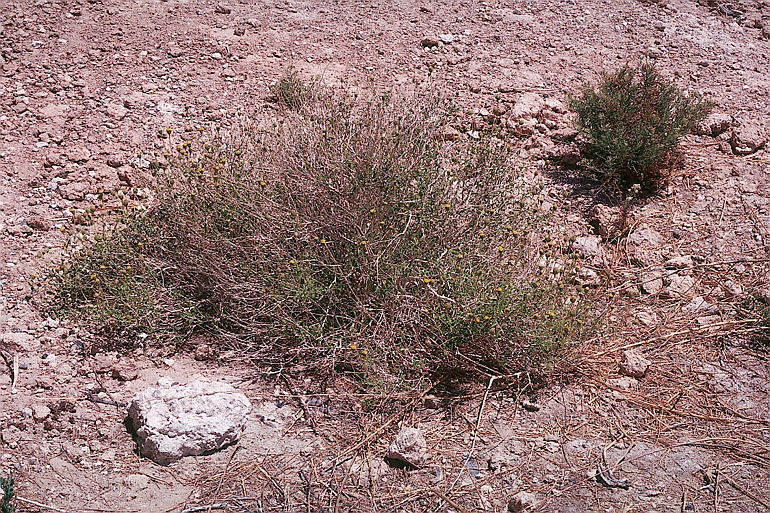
(175, 420)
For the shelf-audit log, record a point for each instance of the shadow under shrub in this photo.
(632, 121)
(346, 233)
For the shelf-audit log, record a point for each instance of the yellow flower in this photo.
(353, 346)
(372, 211)
(292, 261)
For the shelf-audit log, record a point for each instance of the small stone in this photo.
(634, 364)
(40, 412)
(747, 139)
(589, 246)
(680, 262)
(116, 110)
(136, 481)
(529, 105)
(644, 245)
(530, 406)
(447, 39)
(222, 9)
(652, 282)
(103, 363)
(108, 455)
(647, 318)
(606, 221)
(52, 159)
(239, 31)
(124, 372)
(174, 50)
(714, 125)
(523, 501)
(429, 42)
(623, 383)
(408, 448)
(38, 222)
(680, 286)
(78, 154)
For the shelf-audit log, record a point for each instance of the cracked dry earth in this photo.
(87, 93)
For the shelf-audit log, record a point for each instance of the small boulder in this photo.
(523, 501)
(634, 364)
(176, 420)
(409, 448)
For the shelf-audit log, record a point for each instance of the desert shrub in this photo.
(344, 233)
(291, 91)
(632, 121)
(6, 487)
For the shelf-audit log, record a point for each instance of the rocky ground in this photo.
(90, 91)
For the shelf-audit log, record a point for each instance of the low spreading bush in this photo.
(345, 232)
(632, 121)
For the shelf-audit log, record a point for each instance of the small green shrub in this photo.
(344, 233)
(291, 91)
(6, 487)
(631, 121)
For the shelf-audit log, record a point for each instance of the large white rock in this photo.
(176, 420)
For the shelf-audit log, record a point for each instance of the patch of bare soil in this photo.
(89, 91)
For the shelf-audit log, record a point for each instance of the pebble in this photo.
(633, 364)
(40, 412)
(523, 501)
